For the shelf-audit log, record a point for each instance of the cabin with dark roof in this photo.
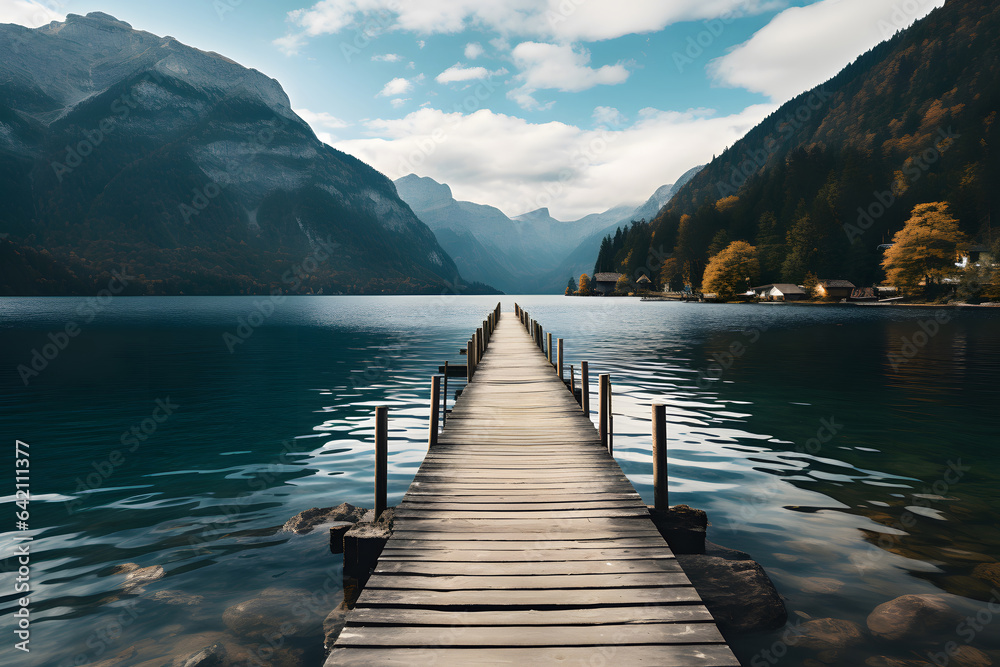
(604, 283)
(834, 289)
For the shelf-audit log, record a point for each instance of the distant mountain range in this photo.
(122, 150)
(836, 171)
(530, 253)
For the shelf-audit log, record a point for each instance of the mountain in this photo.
(122, 150)
(836, 171)
(515, 255)
(529, 253)
(581, 259)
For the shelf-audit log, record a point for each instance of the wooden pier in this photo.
(521, 541)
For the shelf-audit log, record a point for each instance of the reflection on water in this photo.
(850, 450)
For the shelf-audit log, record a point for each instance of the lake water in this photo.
(852, 450)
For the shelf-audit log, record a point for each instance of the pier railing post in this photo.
(468, 361)
(381, 458)
(482, 343)
(660, 500)
(559, 358)
(548, 346)
(602, 415)
(605, 424)
(444, 396)
(585, 387)
(432, 431)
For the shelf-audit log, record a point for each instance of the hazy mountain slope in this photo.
(119, 148)
(581, 259)
(835, 171)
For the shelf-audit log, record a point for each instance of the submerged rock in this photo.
(333, 624)
(829, 634)
(266, 615)
(988, 572)
(968, 656)
(735, 588)
(210, 656)
(177, 598)
(886, 661)
(912, 618)
(136, 577)
(305, 521)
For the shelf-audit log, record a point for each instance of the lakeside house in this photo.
(780, 292)
(834, 289)
(643, 283)
(604, 283)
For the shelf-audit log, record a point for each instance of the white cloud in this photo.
(473, 50)
(291, 44)
(571, 170)
(321, 123)
(559, 67)
(804, 46)
(397, 86)
(29, 13)
(560, 20)
(399, 101)
(387, 58)
(609, 117)
(457, 74)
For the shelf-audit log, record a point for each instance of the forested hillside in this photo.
(835, 172)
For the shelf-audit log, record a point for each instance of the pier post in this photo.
(585, 387)
(572, 381)
(444, 396)
(548, 346)
(482, 343)
(381, 458)
(559, 358)
(660, 476)
(604, 387)
(468, 361)
(432, 431)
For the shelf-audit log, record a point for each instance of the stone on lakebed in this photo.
(912, 618)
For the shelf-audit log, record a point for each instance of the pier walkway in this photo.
(521, 542)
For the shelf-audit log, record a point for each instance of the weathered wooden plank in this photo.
(401, 542)
(588, 566)
(405, 512)
(532, 599)
(461, 582)
(658, 655)
(529, 635)
(504, 556)
(689, 613)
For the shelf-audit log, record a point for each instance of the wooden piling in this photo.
(468, 361)
(605, 419)
(548, 346)
(444, 397)
(585, 387)
(381, 458)
(572, 381)
(432, 431)
(559, 358)
(660, 499)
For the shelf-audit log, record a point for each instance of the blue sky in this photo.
(577, 105)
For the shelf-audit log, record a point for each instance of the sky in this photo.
(573, 105)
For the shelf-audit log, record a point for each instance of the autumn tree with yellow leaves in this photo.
(728, 271)
(925, 249)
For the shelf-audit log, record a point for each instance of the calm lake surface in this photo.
(851, 450)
